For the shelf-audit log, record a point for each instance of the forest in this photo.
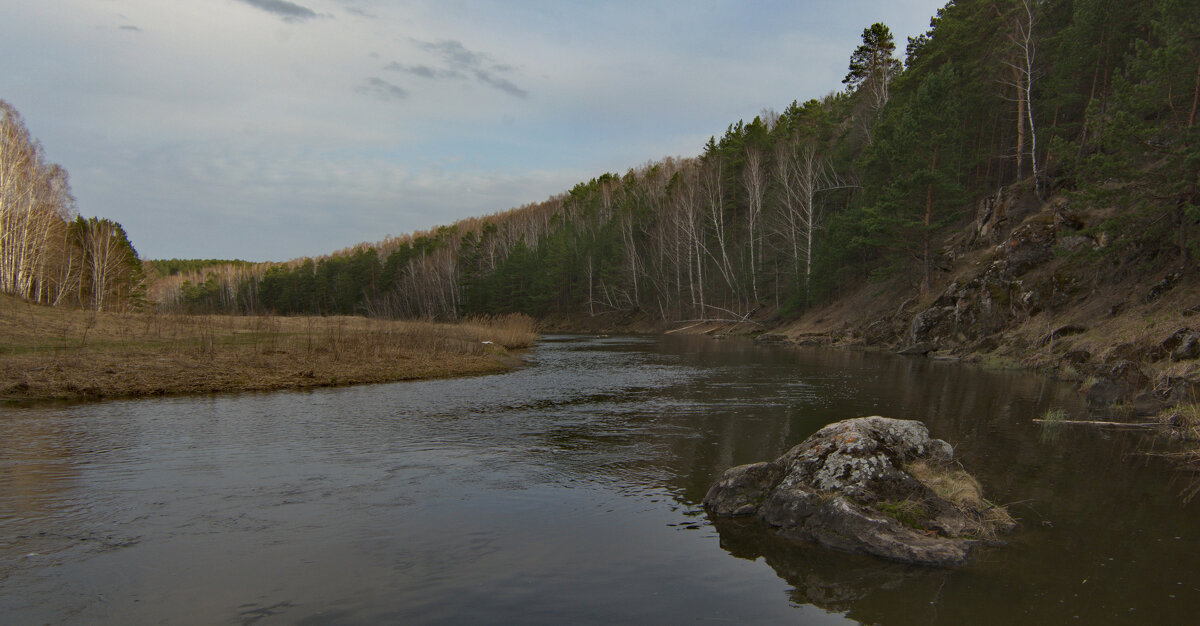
(1092, 100)
(48, 253)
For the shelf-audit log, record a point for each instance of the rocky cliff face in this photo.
(1013, 236)
(1038, 283)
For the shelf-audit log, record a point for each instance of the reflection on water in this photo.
(831, 580)
(567, 491)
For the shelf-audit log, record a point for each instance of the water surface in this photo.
(567, 491)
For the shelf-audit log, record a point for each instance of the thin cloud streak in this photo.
(289, 11)
(503, 84)
(382, 89)
(460, 60)
(423, 71)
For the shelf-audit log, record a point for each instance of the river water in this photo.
(566, 492)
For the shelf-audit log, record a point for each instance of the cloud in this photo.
(461, 62)
(381, 89)
(423, 71)
(503, 84)
(130, 27)
(456, 54)
(290, 12)
(361, 13)
(355, 7)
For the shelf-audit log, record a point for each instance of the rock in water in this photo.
(873, 485)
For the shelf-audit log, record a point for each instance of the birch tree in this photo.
(1022, 68)
(110, 262)
(35, 202)
(801, 173)
(754, 179)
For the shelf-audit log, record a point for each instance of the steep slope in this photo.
(1035, 284)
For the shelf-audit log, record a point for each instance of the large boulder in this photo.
(873, 485)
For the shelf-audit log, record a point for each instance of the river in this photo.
(567, 491)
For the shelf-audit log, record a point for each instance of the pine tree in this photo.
(873, 65)
(916, 163)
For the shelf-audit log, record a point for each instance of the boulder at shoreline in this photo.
(873, 485)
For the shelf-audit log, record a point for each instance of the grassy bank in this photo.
(60, 354)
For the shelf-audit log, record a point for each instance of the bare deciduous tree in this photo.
(36, 260)
(754, 179)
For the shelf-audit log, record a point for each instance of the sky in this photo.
(268, 130)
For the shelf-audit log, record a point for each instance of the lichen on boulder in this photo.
(873, 485)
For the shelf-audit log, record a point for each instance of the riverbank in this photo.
(1024, 283)
(1036, 285)
(71, 355)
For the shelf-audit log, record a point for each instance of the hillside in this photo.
(1089, 103)
(1022, 286)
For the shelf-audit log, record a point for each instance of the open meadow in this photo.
(67, 354)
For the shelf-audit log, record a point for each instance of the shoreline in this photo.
(1136, 398)
(193, 378)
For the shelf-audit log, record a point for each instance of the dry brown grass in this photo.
(1133, 333)
(961, 489)
(48, 353)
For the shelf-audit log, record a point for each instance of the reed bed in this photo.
(48, 353)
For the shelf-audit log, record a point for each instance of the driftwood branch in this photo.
(719, 320)
(676, 330)
(1101, 424)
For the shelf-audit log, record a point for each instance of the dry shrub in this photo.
(512, 331)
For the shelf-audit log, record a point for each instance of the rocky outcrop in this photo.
(996, 213)
(999, 294)
(1015, 280)
(873, 485)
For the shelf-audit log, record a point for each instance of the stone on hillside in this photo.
(931, 324)
(1163, 286)
(1060, 332)
(1074, 243)
(1076, 357)
(1117, 383)
(1189, 348)
(918, 349)
(1183, 344)
(873, 485)
(1028, 246)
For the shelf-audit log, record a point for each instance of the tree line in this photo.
(1095, 100)
(48, 253)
